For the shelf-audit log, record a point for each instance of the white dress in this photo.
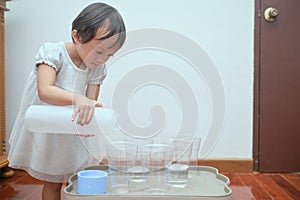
(54, 157)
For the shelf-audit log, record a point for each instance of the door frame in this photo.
(256, 98)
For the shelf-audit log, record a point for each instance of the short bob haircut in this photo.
(97, 15)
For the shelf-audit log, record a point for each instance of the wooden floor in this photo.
(260, 186)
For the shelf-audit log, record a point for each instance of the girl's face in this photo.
(97, 51)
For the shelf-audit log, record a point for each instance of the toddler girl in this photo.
(66, 74)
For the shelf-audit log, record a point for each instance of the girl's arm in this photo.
(47, 91)
(93, 92)
(51, 94)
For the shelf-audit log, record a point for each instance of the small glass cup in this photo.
(178, 171)
(139, 170)
(195, 154)
(121, 156)
(157, 157)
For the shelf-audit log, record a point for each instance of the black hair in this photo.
(96, 15)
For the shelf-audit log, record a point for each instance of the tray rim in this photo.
(214, 170)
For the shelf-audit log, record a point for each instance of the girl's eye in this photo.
(99, 52)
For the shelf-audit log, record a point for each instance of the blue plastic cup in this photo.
(92, 182)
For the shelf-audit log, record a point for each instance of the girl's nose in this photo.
(99, 60)
(102, 59)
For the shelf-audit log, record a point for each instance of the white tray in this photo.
(206, 182)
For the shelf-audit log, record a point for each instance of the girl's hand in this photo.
(84, 109)
(85, 135)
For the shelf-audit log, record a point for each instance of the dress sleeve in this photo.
(50, 54)
(98, 75)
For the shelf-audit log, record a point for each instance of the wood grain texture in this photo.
(287, 186)
(245, 186)
(229, 165)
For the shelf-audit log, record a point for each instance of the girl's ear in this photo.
(75, 36)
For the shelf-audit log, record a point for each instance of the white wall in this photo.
(224, 30)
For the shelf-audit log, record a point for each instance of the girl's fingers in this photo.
(85, 135)
(90, 116)
(75, 114)
(98, 104)
(85, 113)
(80, 117)
(86, 116)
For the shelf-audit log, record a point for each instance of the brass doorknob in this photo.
(270, 14)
